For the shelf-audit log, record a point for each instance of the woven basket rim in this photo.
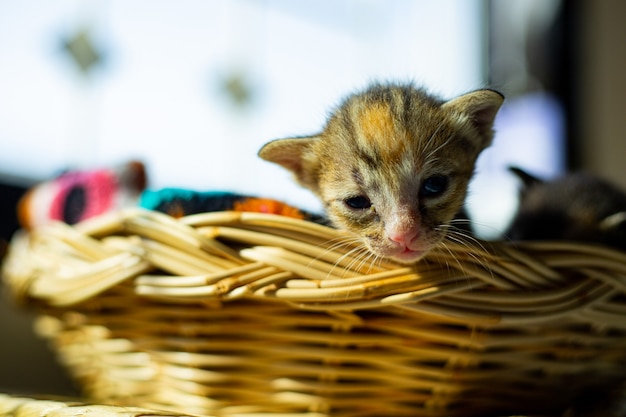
(304, 264)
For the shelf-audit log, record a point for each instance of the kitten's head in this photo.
(393, 163)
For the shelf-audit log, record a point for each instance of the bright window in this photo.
(194, 88)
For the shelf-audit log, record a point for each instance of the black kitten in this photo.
(577, 207)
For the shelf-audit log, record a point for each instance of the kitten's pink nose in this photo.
(404, 237)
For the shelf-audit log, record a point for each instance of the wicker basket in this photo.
(249, 314)
(20, 406)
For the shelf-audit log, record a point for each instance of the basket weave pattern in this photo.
(243, 313)
(13, 405)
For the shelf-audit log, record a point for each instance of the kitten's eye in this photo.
(359, 202)
(434, 186)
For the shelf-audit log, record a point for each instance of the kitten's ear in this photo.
(294, 154)
(613, 228)
(481, 106)
(615, 222)
(528, 180)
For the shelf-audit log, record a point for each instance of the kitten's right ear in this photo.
(294, 154)
(616, 222)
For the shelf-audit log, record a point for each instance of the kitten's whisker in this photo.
(360, 257)
(377, 262)
(453, 256)
(428, 141)
(353, 254)
(429, 160)
(485, 226)
(337, 245)
(447, 249)
(356, 255)
(466, 239)
(370, 258)
(470, 242)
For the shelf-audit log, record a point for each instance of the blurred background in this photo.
(193, 88)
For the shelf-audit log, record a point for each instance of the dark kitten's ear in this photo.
(294, 154)
(481, 106)
(527, 179)
(615, 221)
(613, 228)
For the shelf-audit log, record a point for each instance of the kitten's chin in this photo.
(403, 256)
(408, 256)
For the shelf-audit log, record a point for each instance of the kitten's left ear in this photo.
(481, 106)
(527, 179)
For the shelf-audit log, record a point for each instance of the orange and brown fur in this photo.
(393, 163)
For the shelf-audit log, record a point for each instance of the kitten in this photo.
(577, 207)
(393, 163)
